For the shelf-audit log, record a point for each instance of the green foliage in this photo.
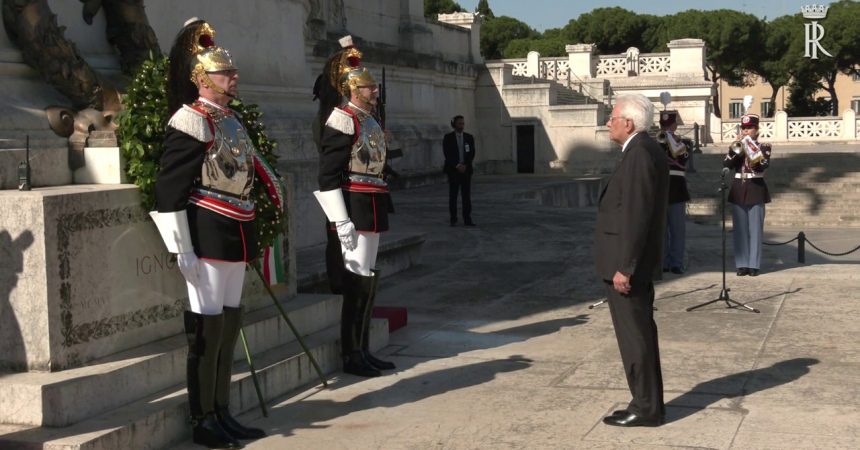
(733, 39)
(801, 98)
(842, 41)
(484, 10)
(519, 48)
(271, 219)
(141, 125)
(498, 32)
(141, 128)
(776, 62)
(434, 7)
(613, 30)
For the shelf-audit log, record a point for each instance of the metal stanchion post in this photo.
(801, 248)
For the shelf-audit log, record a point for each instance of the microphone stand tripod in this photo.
(724, 293)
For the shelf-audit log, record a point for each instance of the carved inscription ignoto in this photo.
(67, 226)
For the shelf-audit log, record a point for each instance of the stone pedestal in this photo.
(687, 58)
(581, 60)
(102, 165)
(84, 274)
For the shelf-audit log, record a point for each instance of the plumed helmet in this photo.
(346, 73)
(192, 56)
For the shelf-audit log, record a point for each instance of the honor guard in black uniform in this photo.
(205, 216)
(678, 153)
(749, 158)
(353, 194)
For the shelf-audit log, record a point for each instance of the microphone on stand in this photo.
(724, 175)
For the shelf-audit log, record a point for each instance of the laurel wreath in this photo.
(141, 129)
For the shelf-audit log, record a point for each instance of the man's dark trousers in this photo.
(460, 182)
(636, 331)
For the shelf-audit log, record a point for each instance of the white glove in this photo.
(346, 233)
(189, 266)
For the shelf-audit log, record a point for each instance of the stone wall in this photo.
(279, 48)
(83, 272)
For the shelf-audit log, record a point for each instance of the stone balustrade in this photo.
(782, 128)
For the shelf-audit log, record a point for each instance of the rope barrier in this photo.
(782, 243)
(801, 247)
(832, 254)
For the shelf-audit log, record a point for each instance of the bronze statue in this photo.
(32, 26)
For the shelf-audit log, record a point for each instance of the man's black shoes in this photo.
(742, 271)
(628, 419)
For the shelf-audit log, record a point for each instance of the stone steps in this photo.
(397, 252)
(159, 417)
(130, 375)
(160, 420)
(809, 188)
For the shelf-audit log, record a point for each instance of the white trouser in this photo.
(363, 258)
(219, 285)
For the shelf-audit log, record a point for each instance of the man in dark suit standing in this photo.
(459, 150)
(631, 222)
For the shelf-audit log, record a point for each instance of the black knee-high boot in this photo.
(355, 289)
(232, 327)
(365, 334)
(204, 342)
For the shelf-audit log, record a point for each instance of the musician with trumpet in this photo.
(748, 194)
(678, 153)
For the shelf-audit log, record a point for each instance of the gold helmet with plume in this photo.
(208, 57)
(346, 73)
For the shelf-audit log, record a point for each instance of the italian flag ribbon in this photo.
(273, 256)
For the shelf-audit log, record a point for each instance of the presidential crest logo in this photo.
(813, 31)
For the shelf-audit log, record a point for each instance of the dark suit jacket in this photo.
(631, 214)
(452, 152)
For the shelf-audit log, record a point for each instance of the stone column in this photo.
(687, 57)
(414, 33)
(582, 60)
(780, 126)
(533, 64)
(849, 125)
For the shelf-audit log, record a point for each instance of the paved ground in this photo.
(502, 350)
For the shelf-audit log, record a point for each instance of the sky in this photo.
(543, 14)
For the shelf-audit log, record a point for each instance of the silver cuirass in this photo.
(229, 163)
(368, 152)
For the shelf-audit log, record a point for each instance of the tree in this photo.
(778, 64)
(498, 32)
(801, 96)
(842, 41)
(613, 30)
(484, 10)
(732, 38)
(546, 46)
(434, 7)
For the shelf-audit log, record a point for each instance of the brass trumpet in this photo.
(737, 147)
(748, 147)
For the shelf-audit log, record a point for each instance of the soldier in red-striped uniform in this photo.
(353, 193)
(205, 216)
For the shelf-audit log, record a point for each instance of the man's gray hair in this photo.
(637, 108)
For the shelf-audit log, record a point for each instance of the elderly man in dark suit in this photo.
(459, 150)
(631, 221)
